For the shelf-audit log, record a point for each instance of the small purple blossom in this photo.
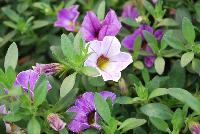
(86, 115)
(48, 69)
(94, 29)
(107, 58)
(27, 80)
(154, 1)
(130, 11)
(128, 42)
(195, 128)
(67, 18)
(55, 122)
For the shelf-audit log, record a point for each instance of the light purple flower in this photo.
(129, 11)
(67, 18)
(48, 69)
(154, 1)
(27, 80)
(195, 128)
(55, 122)
(3, 109)
(129, 40)
(107, 58)
(86, 115)
(93, 29)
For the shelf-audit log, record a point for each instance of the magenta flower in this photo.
(86, 115)
(107, 58)
(27, 80)
(128, 42)
(48, 69)
(93, 29)
(67, 18)
(129, 11)
(55, 122)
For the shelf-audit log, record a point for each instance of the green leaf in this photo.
(188, 30)
(96, 81)
(157, 110)
(67, 48)
(145, 75)
(40, 23)
(67, 84)
(167, 22)
(196, 65)
(186, 58)
(124, 100)
(130, 22)
(178, 120)
(63, 131)
(11, 14)
(91, 131)
(177, 76)
(159, 65)
(40, 91)
(158, 92)
(149, 7)
(13, 117)
(172, 41)
(66, 101)
(90, 71)
(58, 54)
(33, 126)
(102, 108)
(197, 7)
(131, 123)
(185, 97)
(12, 53)
(160, 124)
(137, 46)
(101, 10)
(152, 41)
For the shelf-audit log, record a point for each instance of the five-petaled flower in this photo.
(85, 109)
(93, 29)
(107, 58)
(67, 18)
(55, 122)
(128, 42)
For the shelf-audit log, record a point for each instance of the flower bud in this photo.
(48, 69)
(55, 122)
(123, 86)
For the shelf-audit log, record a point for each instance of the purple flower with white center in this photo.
(94, 29)
(128, 42)
(86, 115)
(107, 58)
(195, 128)
(55, 122)
(67, 18)
(129, 11)
(48, 69)
(27, 80)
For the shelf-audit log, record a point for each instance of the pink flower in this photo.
(55, 122)
(93, 29)
(107, 58)
(67, 18)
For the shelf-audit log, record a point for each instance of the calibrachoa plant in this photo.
(100, 67)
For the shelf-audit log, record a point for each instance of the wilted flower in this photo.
(48, 69)
(93, 29)
(128, 42)
(130, 11)
(195, 128)
(27, 80)
(67, 18)
(86, 115)
(107, 58)
(55, 122)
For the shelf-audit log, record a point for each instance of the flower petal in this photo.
(90, 26)
(110, 46)
(115, 76)
(106, 94)
(158, 34)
